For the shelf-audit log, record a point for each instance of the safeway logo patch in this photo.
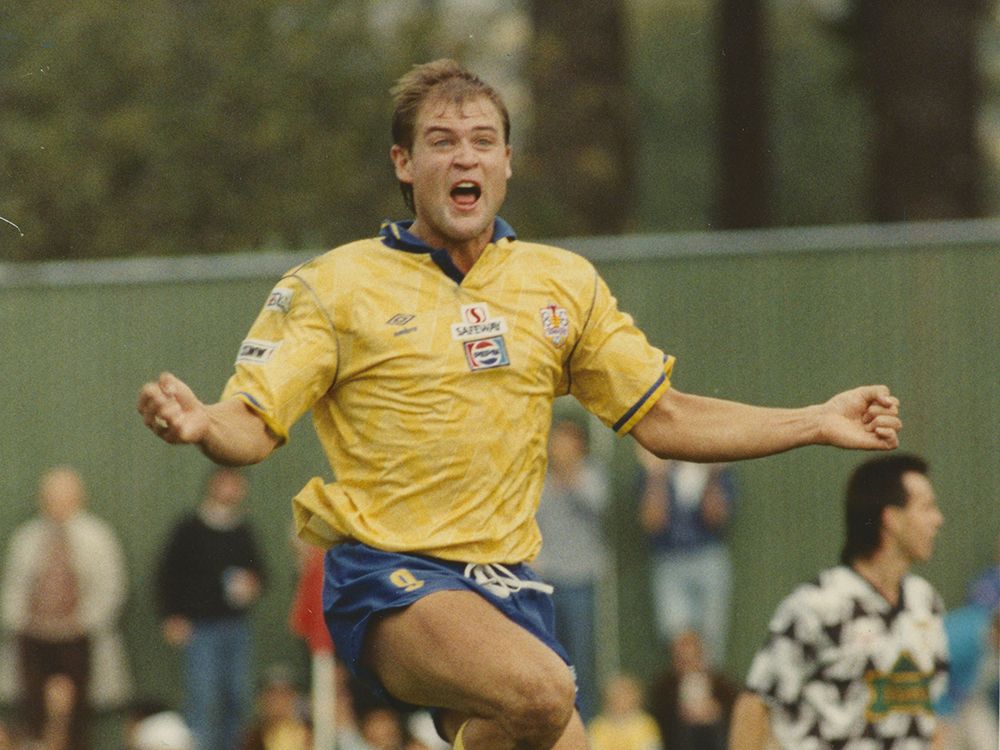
(477, 324)
(485, 354)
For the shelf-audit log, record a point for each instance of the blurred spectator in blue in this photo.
(985, 588)
(684, 509)
(209, 577)
(574, 556)
(970, 708)
(63, 587)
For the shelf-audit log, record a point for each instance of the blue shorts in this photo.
(360, 581)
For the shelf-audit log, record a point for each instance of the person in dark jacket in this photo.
(691, 702)
(210, 575)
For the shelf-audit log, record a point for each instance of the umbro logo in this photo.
(400, 319)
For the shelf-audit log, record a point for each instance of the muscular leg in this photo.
(453, 650)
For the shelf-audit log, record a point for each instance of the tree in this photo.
(181, 127)
(743, 195)
(922, 83)
(579, 165)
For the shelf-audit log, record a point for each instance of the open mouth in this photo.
(466, 193)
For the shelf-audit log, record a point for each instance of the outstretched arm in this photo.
(228, 432)
(697, 428)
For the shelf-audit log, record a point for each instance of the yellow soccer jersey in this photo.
(432, 393)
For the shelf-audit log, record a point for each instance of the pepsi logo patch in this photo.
(555, 323)
(485, 354)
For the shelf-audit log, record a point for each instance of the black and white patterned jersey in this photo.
(842, 669)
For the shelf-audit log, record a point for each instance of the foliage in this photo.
(157, 127)
(161, 127)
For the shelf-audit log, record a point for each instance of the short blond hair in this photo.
(444, 79)
(440, 79)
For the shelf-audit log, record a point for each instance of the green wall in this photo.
(770, 327)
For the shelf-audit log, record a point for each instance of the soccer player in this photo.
(855, 659)
(430, 356)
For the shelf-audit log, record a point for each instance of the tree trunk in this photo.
(580, 146)
(743, 197)
(923, 84)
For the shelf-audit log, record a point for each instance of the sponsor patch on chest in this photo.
(477, 324)
(486, 354)
(482, 337)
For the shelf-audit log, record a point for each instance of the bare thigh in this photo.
(453, 650)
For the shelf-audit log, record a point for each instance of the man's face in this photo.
(915, 525)
(459, 166)
(60, 494)
(228, 488)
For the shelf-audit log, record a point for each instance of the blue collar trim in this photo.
(396, 234)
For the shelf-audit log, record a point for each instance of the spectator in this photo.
(984, 590)
(60, 695)
(684, 509)
(970, 706)
(63, 587)
(281, 722)
(691, 702)
(574, 556)
(382, 728)
(209, 577)
(622, 723)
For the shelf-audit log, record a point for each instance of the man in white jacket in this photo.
(63, 587)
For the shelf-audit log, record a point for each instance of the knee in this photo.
(541, 705)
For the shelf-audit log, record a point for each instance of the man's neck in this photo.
(885, 572)
(463, 253)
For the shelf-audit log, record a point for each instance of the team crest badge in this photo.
(555, 324)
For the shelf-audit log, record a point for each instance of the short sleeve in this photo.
(614, 371)
(289, 358)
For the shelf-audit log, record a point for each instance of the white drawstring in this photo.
(498, 579)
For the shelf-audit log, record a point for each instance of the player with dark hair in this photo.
(873, 487)
(430, 356)
(855, 659)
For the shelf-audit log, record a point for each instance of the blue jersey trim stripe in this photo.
(638, 404)
(251, 399)
(662, 383)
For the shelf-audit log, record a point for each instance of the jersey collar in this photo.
(397, 235)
